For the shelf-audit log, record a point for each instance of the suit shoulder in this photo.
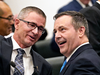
(71, 6)
(91, 9)
(1, 37)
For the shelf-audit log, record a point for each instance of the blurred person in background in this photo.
(76, 5)
(92, 15)
(6, 19)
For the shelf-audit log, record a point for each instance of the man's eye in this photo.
(41, 28)
(32, 25)
(54, 31)
(62, 29)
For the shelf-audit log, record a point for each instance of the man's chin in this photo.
(29, 43)
(62, 51)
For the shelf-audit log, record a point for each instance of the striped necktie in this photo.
(19, 63)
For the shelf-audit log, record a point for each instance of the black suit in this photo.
(5, 57)
(93, 17)
(84, 61)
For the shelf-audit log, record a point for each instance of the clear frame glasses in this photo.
(33, 25)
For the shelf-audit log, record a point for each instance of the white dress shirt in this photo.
(90, 3)
(27, 58)
(98, 2)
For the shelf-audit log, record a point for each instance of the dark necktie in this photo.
(87, 5)
(19, 62)
(63, 65)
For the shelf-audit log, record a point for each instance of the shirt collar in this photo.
(76, 49)
(16, 46)
(83, 6)
(98, 2)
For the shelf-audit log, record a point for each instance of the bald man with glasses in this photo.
(6, 19)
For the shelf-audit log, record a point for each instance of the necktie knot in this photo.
(20, 51)
(87, 5)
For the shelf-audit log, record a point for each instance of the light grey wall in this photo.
(50, 7)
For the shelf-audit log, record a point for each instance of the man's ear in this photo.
(81, 31)
(16, 23)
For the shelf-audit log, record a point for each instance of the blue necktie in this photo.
(63, 65)
(19, 62)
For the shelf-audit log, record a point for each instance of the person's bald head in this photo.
(3, 5)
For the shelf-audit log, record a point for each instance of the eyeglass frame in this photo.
(43, 30)
(8, 18)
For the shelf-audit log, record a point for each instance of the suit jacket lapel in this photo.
(77, 4)
(36, 61)
(64, 69)
(6, 53)
(81, 49)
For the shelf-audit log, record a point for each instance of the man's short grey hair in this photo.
(25, 12)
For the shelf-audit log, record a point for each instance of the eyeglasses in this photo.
(8, 18)
(33, 25)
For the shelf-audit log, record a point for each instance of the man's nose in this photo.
(11, 22)
(57, 34)
(36, 31)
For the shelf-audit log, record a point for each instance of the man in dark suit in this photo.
(92, 15)
(74, 5)
(29, 26)
(71, 35)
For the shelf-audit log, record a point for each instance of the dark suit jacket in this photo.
(92, 15)
(84, 61)
(5, 57)
(73, 5)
